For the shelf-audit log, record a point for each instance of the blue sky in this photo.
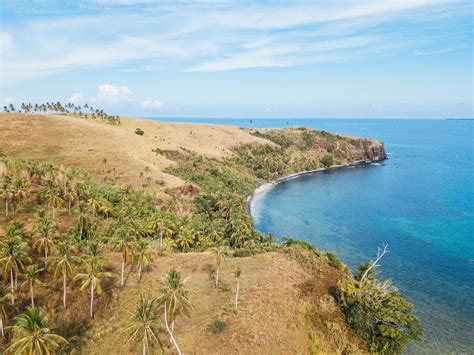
(397, 58)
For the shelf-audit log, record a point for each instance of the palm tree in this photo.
(92, 277)
(31, 274)
(144, 255)
(144, 325)
(64, 263)
(44, 230)
(55, 200)
(70, 195)
(13, 254)
(218, 253)
(124, 243)
(174, 295)
(6, 306)
(32, 336)
(94, 204)
(21, 189)
(7, 192)
(82, 219)
(237, 274)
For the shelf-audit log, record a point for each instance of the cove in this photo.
(419, 202)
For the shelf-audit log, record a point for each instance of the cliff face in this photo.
(374, 150)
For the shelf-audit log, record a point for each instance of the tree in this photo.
(327, 161)
(31, 274)
(44, 231)
(13, 254)
(124, 243)
(144, 255)
(92, 277)
(144, 325)
(6, 307)
(83, 219)
(218, 253)
(70, 195)
(64, 263)
(237, 274)
(32, 336)
(174, 295)
(7, 192)
(370, 266)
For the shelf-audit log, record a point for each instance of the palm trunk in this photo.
(16, 280)
(11, 286)
(237, 295)
(122, 280)
(170, 332)
(6, 207)
(32, 294)
(69, 207)
(2, 332)
(144, 348)
(80, 233)
(91, 313)
(64, 289)
(139, 274)
(46, 255)
(217, 277)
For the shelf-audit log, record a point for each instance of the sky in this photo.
(258, 59)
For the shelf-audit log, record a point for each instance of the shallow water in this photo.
(419, 202)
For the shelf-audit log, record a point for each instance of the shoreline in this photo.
(263, 189)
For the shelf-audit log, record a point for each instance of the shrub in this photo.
(218, 326)
(379, 314)
(327, 161)
(139, 131)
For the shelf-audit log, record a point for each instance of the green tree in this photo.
(144, 255)
(92, 277)
(32, 336)
(144, 325)
(125, 244)
(31, 274)
(64, 262)
(44, 231)
(174, 295)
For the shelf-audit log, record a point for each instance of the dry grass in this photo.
(270, 318)
(85, 143)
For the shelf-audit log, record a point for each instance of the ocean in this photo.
(420, 202)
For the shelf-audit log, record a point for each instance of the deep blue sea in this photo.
(420, 202)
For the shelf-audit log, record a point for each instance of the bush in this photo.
(327, 161)
(379, 314)
(139, 131)
(218, 326)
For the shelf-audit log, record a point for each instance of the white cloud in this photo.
(76, 99)
(7, 101)
(113, 94)
(152, 104)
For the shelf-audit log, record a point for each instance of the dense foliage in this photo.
(378, 313)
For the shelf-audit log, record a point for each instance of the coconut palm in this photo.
(7, 193)
(21, 189)
(145, 324)
(94, 204)
(83, 219)
(71, 194)
(6, 306)
(124, 243)
(55, 201)
(32, 336)
(64, 263)
(31, 274)
(44, 230)
(144, 255)
(174, 295)
(218, 253)
(92, 277)
(13, 255)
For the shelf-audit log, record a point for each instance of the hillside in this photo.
(288, 290)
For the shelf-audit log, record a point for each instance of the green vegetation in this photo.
(378, 313)
(139, 131)
(60, 224)
(218, 326)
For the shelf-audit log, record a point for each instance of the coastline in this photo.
(263, 189)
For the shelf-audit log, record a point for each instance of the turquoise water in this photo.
(420, 202)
